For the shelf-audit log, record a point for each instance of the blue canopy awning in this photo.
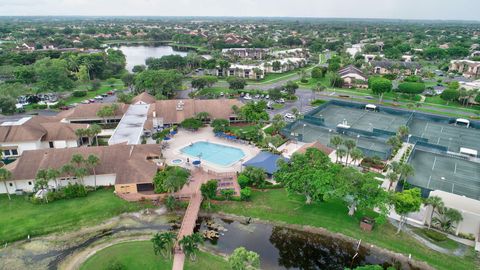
(266, 161)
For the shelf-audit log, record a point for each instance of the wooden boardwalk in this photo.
(191, 190)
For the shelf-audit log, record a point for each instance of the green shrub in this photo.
(468, 236)
(434, 235)
(245, 194)
(317, 102)
(243, 181)
(74, 191)
(79, 93)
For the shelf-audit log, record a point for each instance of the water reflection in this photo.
(284, 248)
(136, 55)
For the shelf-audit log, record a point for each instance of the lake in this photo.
(137, 54)
(285, 248)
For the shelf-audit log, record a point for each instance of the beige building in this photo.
(130, 168)
(468, 68)
(36, 132)
(395, 67)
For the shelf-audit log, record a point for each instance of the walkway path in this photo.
(191, 190)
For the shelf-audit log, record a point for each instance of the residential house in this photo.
(286, 64)
(469, 69)
(246, 53)
(36, 132)
(291, 53)
(234, 39)
(130, 168)
(355, 49)
(395, 67)
(353, 77)
(171, 112)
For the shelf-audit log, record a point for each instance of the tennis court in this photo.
(361, 119)
(437, 171)
(450, 136)
(311, 133)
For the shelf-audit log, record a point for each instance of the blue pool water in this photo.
(215, 153)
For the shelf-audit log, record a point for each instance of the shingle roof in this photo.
(167, 109)
(144, 97)
(128, 162)
(317, 145)
(89, 111)
(39, 128)
(392, 64)
(350, 69)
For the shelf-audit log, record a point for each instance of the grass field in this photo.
(21, 218)
(91, 94)
(275, 205)
(139, 255)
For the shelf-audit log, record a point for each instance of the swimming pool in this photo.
(215, 153)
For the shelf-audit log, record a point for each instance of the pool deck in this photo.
(185, 138)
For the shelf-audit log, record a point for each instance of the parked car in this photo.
(247, 97)
(92, 100)
(257, 96)
(289, 116)
(98, 98)
(86, 102)
(110, 93)
(280, 100)
(104, 95)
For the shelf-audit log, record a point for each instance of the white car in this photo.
(289, 116)
(98, 97)
(247, 97)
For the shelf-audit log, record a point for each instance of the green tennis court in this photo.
(361, 119)
(445, 172)
(448, 135)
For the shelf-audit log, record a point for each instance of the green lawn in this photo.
(274, 77)
(139, 255)
(20, 217)
(91, 94)
(275, 205)
(447, 244)
(214, 91)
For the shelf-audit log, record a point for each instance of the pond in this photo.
(137, 54)
(285, 248)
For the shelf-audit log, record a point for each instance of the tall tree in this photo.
(435, 203)
(163, 243)
(406, 202)
(189, 244)
(379, 86)
(209, 190)
(5, 175)
(363, 191)
(243, 259)
(310, 174)
(91, 162)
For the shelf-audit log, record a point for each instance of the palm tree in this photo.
(434, 202)
(68, 169)
(53, 174)
(5, 175)
(356, 155)
(278, 123)
(80, 173)
(447, 218)
(295, 111)
(392, 178)
(341, 153)
(94, 130)
(41, 182)
(80, 133)
(91, 162)
(349, 144)
(403, 131)
(336, 141)
(203, 116)
(189, 244)
(235, 110)
(406, 170)
(77, 160)
(163, 243)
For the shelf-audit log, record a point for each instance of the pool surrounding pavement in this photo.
(185, 138)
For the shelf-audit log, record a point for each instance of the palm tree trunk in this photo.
(6, 189)
(94, 179)
(431, 217)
